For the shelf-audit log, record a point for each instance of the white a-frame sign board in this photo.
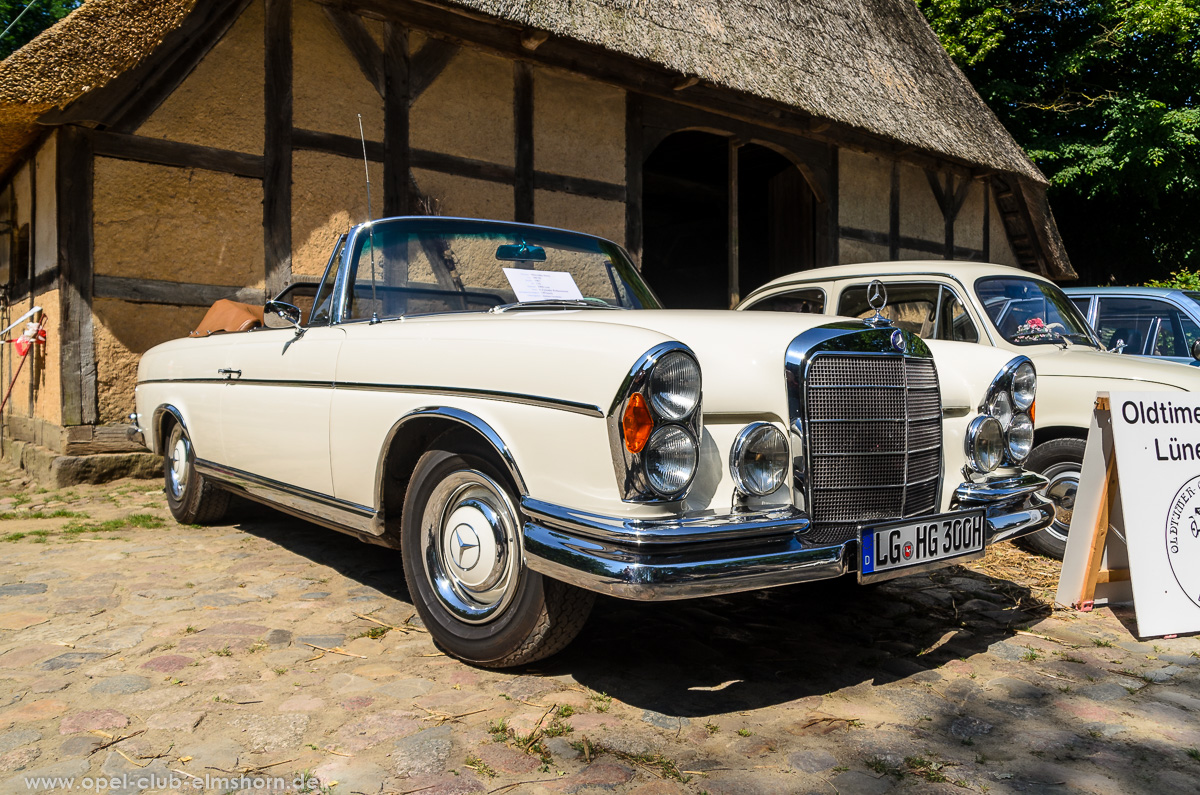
(1135, 528)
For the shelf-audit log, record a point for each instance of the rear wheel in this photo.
(461, 543)
(1060, 461)
(191, 498)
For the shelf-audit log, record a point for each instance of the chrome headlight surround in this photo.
(752, 441)
(984, 433)
(1010, 400)
(638, 390)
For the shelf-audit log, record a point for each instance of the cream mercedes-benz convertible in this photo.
(477, 395)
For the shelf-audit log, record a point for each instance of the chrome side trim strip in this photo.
(644, 534)
(321, 507)
(587, 409)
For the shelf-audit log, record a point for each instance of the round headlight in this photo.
(675, 385)
(1024, 386)
(758, 460)
(1020, 438)
(985, 444)
(670, 459)
(999, 405)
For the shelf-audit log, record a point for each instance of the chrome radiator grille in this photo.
(875, 440)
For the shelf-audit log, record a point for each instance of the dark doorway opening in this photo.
(686, 210)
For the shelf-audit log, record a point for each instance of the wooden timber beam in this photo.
(172, 153)
(156, 291)
(277, 178)
(362, 47)
(74, 175)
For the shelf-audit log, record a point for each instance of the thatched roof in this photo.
(872, 64)
(91, 46)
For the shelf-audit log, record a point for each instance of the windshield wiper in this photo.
(555, 303)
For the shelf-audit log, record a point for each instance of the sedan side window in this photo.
(954, 323)
(811, 301)
(1136, 321)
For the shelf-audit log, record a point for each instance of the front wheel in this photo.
(191, 498)
(460, 539)
(1060, 461)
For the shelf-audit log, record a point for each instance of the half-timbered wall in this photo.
(893, 210)
(29, 266)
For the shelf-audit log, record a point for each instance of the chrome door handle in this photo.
(229, 373)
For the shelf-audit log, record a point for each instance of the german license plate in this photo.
(899, 548)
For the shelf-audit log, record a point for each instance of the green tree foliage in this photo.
(43, 14)
(1103, 96)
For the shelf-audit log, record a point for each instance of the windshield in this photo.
(1031, 312)
(423, 266)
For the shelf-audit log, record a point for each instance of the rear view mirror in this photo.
(521, 252)
(1196, 349)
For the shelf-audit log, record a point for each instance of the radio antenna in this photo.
(366, 167)
(362, 136)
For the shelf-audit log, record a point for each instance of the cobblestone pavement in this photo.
(173, 657)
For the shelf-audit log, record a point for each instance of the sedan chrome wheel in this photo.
(469, 544)
(178, 463)
(1064, 484)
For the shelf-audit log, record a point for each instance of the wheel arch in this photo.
(163, 415)
(1043, 435)
(409, 439)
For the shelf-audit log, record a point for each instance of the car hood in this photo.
(1142, 373)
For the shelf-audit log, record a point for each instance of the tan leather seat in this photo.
(227, 315)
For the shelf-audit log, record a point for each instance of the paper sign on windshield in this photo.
(542, 285)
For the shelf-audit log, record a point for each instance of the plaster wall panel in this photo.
(468, 110)
(581, 214)
(1001, 252)
(465, 197)
(920, 215)
(852, 251)
(968, 226)
(123, 331)
(177, 224)
(220, 104)
(912, 254)
(329, 90)
(329, 195)
(864, 192)
(578, 127)
(46, 231)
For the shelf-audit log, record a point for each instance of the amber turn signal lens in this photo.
(637, 423)
(1033, 412)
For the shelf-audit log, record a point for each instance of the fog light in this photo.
(985, 444)
(758, 459)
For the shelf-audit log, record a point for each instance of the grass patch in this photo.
(1103, 644)
(479, 766)
(13, 537)
(601, 702)
(374, 633)
(1194, 753)
(657, 763)
(146, 521)
(61, 513)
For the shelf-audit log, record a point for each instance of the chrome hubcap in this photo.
(1064, 484)
(177, 472)
(469, 542)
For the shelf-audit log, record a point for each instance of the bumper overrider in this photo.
(708, 554)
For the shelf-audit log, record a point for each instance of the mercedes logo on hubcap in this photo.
(464, 547)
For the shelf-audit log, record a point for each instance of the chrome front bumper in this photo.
(708, 554)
